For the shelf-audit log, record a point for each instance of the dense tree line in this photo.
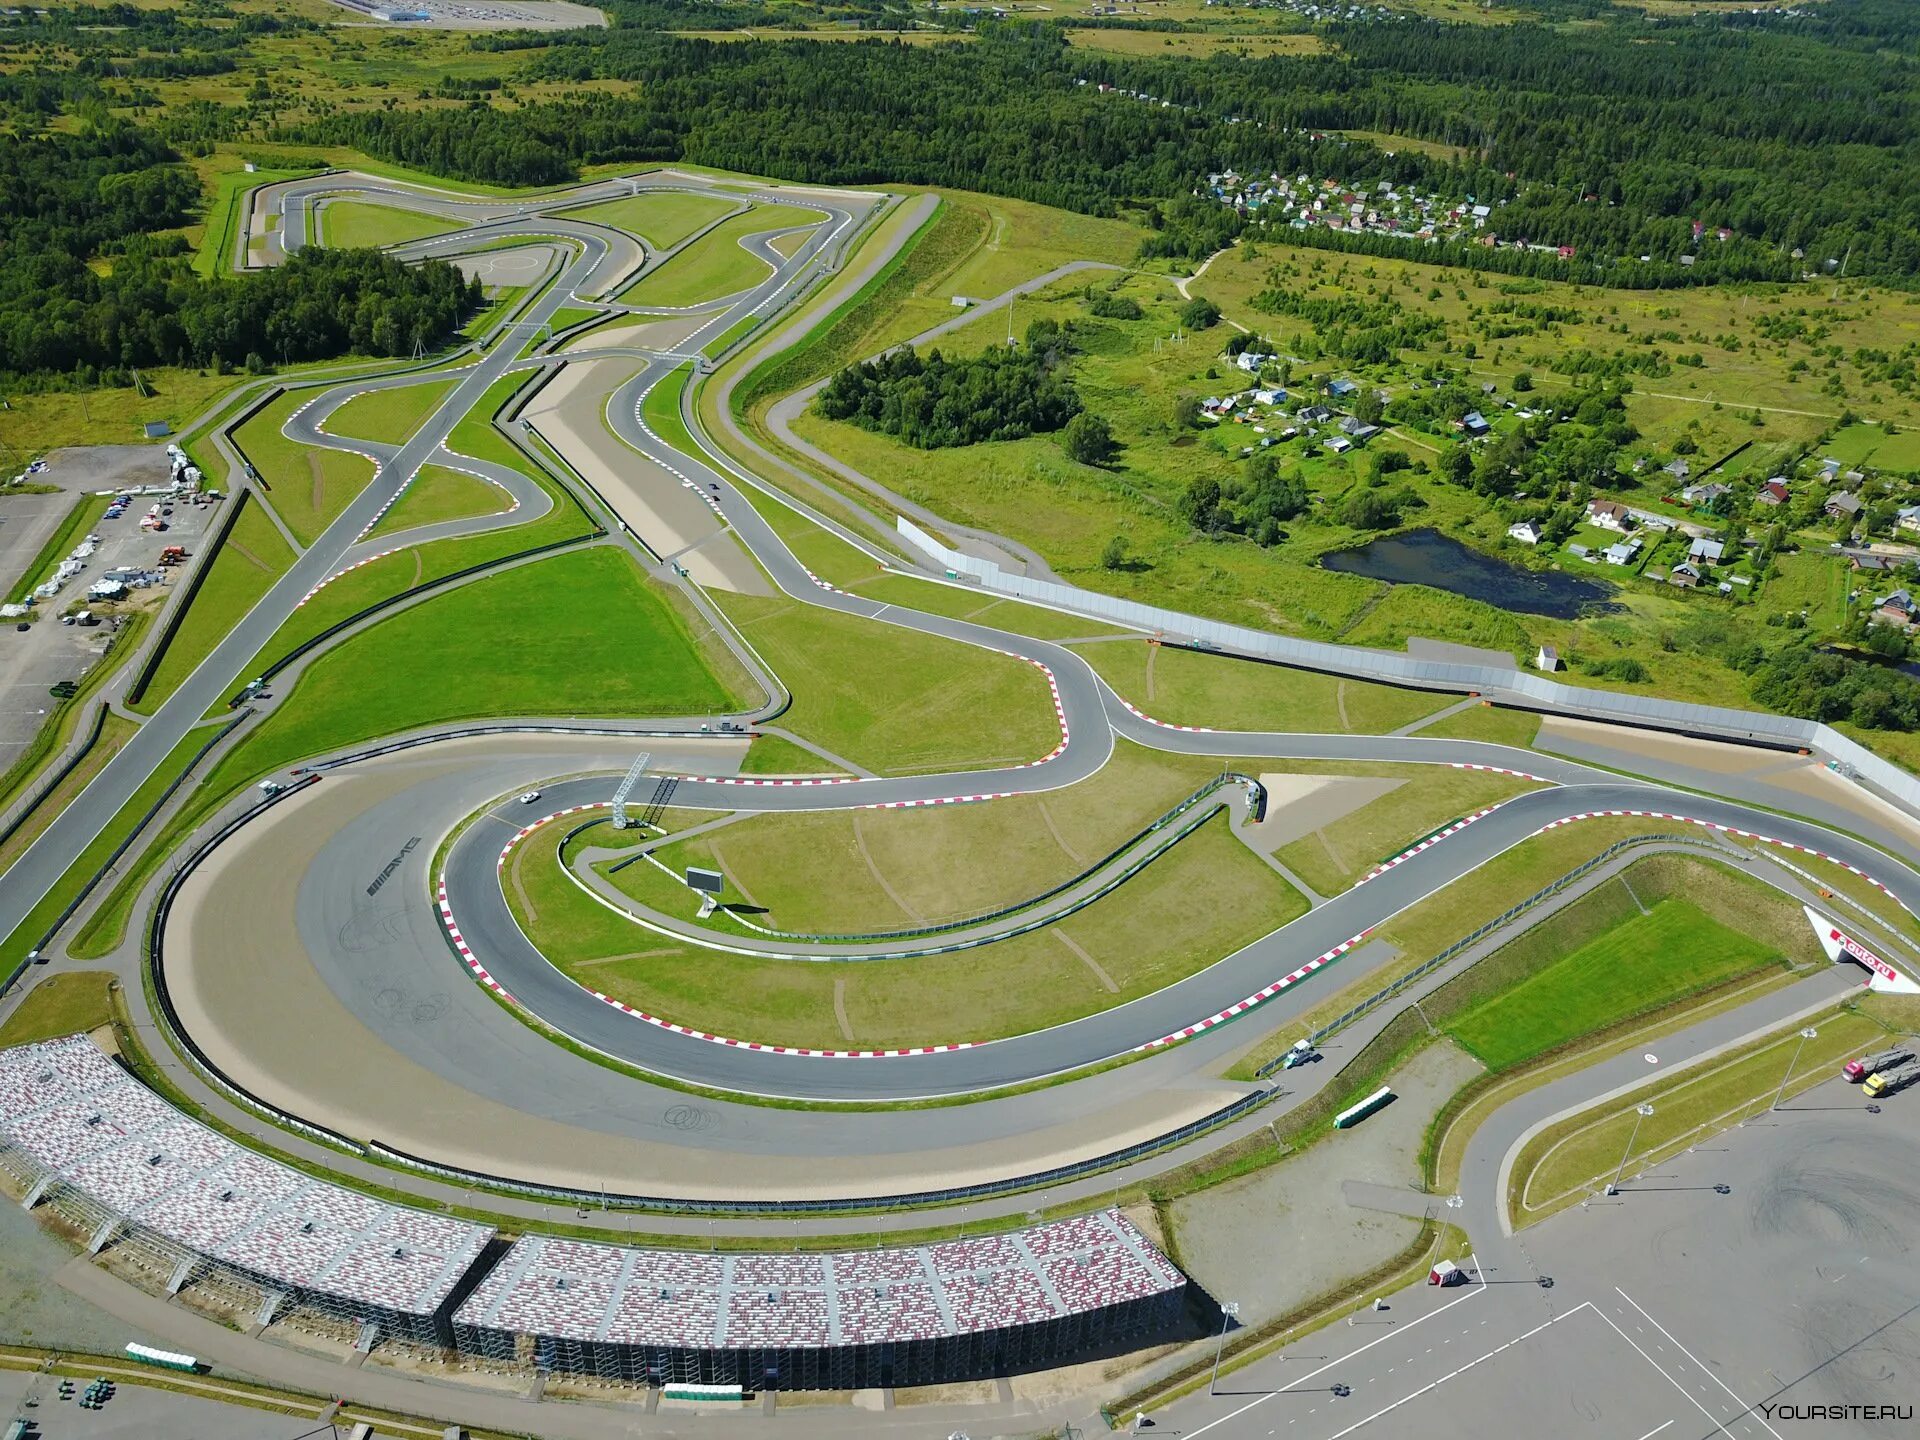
(85, 290)
(931, 403)
(1817, 686)
(1614, 139)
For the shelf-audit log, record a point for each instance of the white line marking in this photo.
(1262, 1399)
(1435, 1384)
(1718, 1427)
(1651, 1433)
(1744, 1406)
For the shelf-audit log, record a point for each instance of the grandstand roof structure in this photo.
(616, 1295)
(93, 1126)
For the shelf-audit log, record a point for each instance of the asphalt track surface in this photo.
(1092, 715)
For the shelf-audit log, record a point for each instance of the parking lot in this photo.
(47, 652)
(137, 1413)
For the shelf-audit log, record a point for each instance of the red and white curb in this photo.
(344, 570)
(1500, 770)
(1259, 997)
(1427, 844)
(1725, 830)
(1139, 714)
(471, 960)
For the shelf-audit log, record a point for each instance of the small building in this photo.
(1686, 575)
(1580, 552)
(1623, 552)
(1610, 515)
(1773, 492)
(1896, 609)
(1475, 424)
(1706, 552)
(1907, 518)
(1872, 564)
(1270, 397)
(1251, 361)
(1548, 659)
(1678, 469)
(1340, 389)
(1527, 532)
(1706, 494)
(1843, 507)
(1357, 429)
(1338, 444)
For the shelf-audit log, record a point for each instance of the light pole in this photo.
(1805, 1035)
(1227, 1312)
(1640, 1112)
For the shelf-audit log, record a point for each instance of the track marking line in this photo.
(1719, 1427)
(1745, 1408)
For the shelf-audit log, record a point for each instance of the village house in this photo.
(1907, 518)
(1623, 552)
(1706, 552)
(1610, 515)
(1843, 507)
(1896, 609)
(1774, 492)
(1527, 532)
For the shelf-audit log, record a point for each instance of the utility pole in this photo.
(1805, 1035)
(1227, 1312)
(1640, 1112)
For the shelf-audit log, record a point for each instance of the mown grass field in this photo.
(393, 415)
(307, 486)
(115, 731)
(837, 871)
(663, 219)
(552, 638)
(1185, 687)
(1138, 940)
(892, 699)
(1672, 951)
(717, 264)
(60, 1005)
(438, 494)
(356, 224)
(1337, 854)
(254, 556)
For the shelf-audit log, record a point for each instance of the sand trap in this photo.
(658, 507)
(641, 334)
(1298, 805)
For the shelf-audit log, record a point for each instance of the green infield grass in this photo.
(1131, 943)
(354, 224)
(1187, 687)
(1493, 723)
(717, 264)
(892, 699)
(308, 486)
(556, 637)
(438, 494)
(661, 219)
(393, 415)
(855, 872)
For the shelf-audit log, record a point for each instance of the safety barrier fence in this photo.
(1427, 967)
(1520, 687)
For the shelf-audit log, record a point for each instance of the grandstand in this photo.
(848, 1319)
(79, 1133)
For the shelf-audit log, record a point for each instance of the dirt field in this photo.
(1294, 1216)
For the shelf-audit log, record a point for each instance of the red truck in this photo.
(1858, 1070)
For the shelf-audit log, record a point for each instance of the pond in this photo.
(1426, 557)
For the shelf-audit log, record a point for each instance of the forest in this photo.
(934, 402)
(87, 291)
(1614, 139)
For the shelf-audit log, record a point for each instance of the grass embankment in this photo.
(1334, 856)
(438, 494)
(1643, 961)
(115, 731)
(661, 219)
(308, 486)
(1133, 942)
(556, 637)
(253, 557)
(775, 755)
(1491, 723)
(895, 700)
(843, 872)
(81, 519)
(1569, 1161)
(1188, 687)
(717, 264)
(60, 1005)
(1427, 927)
(40, 919)
(230, 190)
(518, 643)
(395, 574)
(355, 224)
(394, 414)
